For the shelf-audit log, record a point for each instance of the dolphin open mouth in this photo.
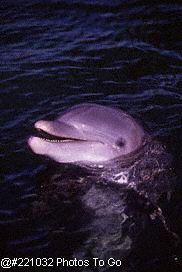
(45, 136)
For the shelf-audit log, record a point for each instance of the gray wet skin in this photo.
(89, 134)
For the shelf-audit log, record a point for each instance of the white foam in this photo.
(121, 178)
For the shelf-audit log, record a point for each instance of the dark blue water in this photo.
(55, 54)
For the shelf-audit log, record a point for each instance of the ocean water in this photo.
(55, 54)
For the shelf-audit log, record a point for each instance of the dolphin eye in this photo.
(120, 142)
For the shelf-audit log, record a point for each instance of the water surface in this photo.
(55, 54)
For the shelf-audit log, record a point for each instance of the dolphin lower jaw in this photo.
(73, 151)
(76, 150)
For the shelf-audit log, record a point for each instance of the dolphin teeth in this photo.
(55, 141)
(44, 136)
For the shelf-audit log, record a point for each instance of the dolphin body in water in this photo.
(123, 164)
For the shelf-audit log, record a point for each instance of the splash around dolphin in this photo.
(89, 134)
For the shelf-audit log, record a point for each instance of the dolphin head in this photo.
(88, 134)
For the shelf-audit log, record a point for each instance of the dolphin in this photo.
(116, 150)
(87, 134)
